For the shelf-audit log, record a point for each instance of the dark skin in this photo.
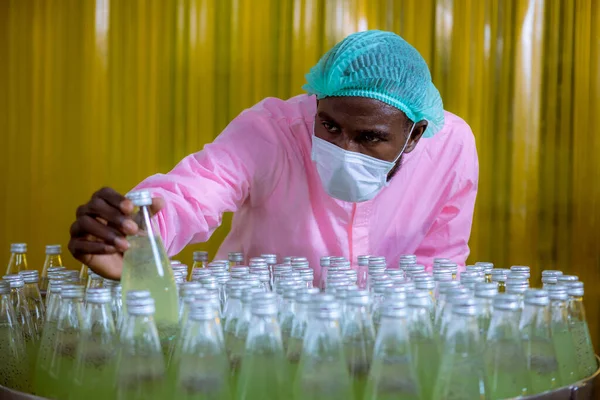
(356, 124)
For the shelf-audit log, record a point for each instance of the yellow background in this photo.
(104, 92)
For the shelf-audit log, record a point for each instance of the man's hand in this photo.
(98, 233)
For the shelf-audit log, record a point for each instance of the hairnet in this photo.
(383, 66)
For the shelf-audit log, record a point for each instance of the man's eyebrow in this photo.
(382, 134)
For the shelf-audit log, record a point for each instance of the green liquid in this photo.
(14, 368)
(425, 354)
(43, 383)
(327, 380)
(583, 349)
(460, 377)
(566, 356)
(543, 367)
(95, 372)
(206, 387)
(506, 369)
(140, 378)
(262, 377)
(62, 364)
(359, 355)
(392, 379)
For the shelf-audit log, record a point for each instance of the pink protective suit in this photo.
(260, 168)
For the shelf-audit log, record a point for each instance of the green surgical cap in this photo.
(383, 66)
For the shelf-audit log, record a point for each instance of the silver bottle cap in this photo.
(271, 259)
(537, 297)
(98, 295)
(236, 257)
(53, 249)
(18, 248)
(30, 275)
(558, 292)
(551, 272)
(72, 292)
(506, 301)
(200, 256)
(140, 198)
(575, 289)
(15, 280)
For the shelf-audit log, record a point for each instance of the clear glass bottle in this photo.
(27, 327)
(44, 357)
(487, 269)
(141, 369)
(53, 259)
(18, 258)
(236, 259)
(286, 315)
(203, 368)
(263, 373)
(358, 337)
(425, 348)
(454, 297)
(14, 368)
(461, 373)
(187, 294)
(147, 267)
(68, 328)
(95, 366)
(303, 300)
(518, 287)
(393, 374)
(37, 310)
(322, 372)
(363, 270)
(84, 273)
(200, 259)
(561, 335)
(440, 301)
(325, 263)
(537, 340)
(484, 298)
(236, 344)
(94, 281)
(584, 349)
(499, 275)
(505, 361)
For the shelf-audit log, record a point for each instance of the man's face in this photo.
(366, 126)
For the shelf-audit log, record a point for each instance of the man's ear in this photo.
(416, 135)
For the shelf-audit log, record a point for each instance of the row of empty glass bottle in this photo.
(263, 332)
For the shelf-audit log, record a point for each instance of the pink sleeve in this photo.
(449, 235)
(244, 159)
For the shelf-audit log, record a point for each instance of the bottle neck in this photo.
(576, 310)
(559, 312)
(462, 335)
(323, 338)
(7, 311)
(393, 336)
(32, 291)
(139, 333)
(52, 260)
(264, 335)
(202, 336)
(535, 322)
(70, 315)
(419, 319)
(504, 325)
(98, 319)
(17, 262)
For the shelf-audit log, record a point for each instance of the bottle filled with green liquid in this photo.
(537, 341)
(147, 267)
(564, 346)
(580, 331)
(322, 373)
(505, 361)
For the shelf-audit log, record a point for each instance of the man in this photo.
(367, 163)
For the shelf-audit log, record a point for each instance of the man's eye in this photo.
(330, 127)
(371, 138)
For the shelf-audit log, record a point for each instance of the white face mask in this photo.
(348, 175)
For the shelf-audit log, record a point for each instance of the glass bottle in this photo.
(322, 373)
(518, 287)
(94, 281)
(303, 299)
(84, 273)
(37, 310)
(537, 340)
(499, 276)
(454, 297)
(363, 269)
(505, 361)
(484, 298)
(200, 259)
(393, 374)
(236, 259)
(187, 294)
(141, 368)
(18, 258)
(286, 315)
(325, 263)
(440, 301)
(95, 366)
(424, 346)
(147, 267)
(53, 259)
(68, 328)
(14, 368)
(461, 373)
(236, 345)
(203, 367)
(55, 273)
(263, 373)
(358, 337)
(487, 270)
(580, 331)
(27, 327)
(561, 335)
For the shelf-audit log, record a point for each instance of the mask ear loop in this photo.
(405, 143)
